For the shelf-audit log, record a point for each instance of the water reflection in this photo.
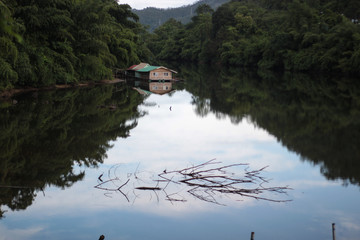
(147, 87)
(315, 116)
(170, 140)
(47, 134)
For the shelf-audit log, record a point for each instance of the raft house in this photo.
(152, 73)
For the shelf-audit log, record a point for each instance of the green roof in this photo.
(148, 69)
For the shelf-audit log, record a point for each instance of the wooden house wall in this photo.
(160, 74)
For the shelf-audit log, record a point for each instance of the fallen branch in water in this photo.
(99, 186)
(149, 188)
(206, 181)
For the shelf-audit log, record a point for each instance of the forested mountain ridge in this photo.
(44, 43)
(155, 17)
(296, 35)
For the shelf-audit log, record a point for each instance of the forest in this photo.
(295, 35)
(43, 43)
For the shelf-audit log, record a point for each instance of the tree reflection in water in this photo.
(318, 117)
(47, 134)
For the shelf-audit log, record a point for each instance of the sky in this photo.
(140, 4)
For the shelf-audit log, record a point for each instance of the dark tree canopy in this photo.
(203, 9)
(305, 36)
(51, 42)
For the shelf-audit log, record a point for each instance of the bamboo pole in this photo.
(333, 231)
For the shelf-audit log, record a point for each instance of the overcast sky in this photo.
(140, 4)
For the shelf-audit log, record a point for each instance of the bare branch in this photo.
(206, 181)
(149, 188)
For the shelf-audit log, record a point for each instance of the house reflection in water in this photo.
(158, 87)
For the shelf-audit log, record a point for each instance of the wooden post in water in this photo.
(252, 236)
(333, 231)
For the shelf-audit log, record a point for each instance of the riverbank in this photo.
(4, 95)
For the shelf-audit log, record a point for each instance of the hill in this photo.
(154, 17)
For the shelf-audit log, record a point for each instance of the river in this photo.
(85, 162)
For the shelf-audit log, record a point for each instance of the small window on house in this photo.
(166, 74)
(155, 74)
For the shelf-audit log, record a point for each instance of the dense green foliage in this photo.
(155, 17)
(174, 41)
(46, 135)
(44, 43)
(295, 35)
(315, 117)
(66, 41)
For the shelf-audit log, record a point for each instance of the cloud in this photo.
(302, 184)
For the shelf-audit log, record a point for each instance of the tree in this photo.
(204, 9)
(8, 49)
(166, 41)
(91, 38)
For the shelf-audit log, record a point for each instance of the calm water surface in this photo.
(57, 146)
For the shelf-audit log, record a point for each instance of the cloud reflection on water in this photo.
(178, 139)
(18, 233)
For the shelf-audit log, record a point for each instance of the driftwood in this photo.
(207, 182)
